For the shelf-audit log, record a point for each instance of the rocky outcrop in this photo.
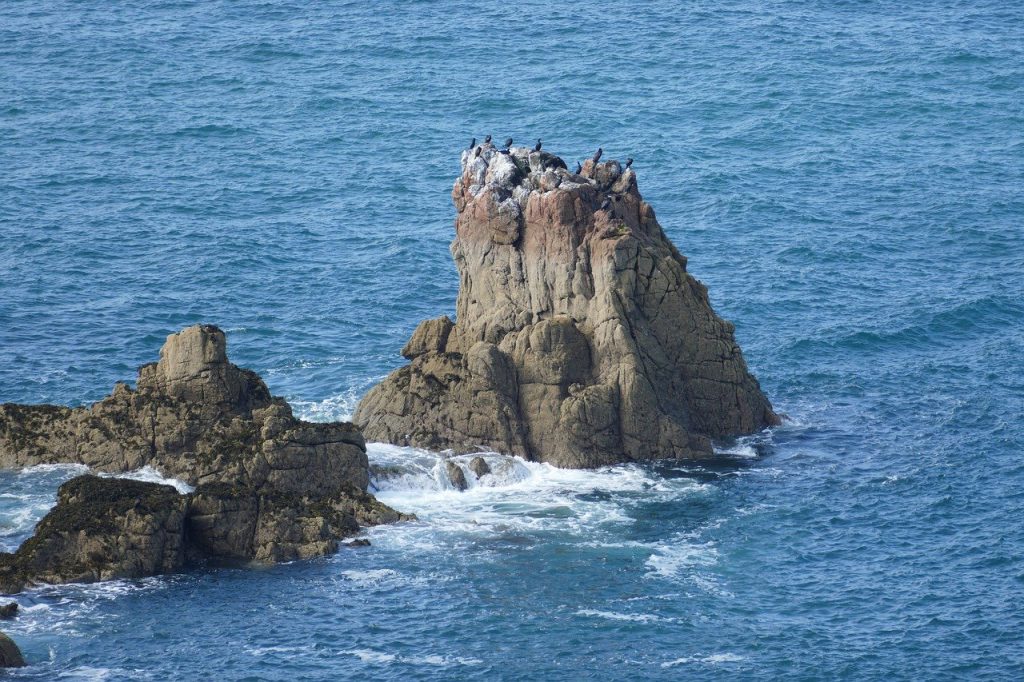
(581, 340)
(9, 610)
(269, 487)
(100, 529)
(195, 416)
(10, 654)
(106, 528)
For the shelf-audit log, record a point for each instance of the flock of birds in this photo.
(605, 205)
(537, 147)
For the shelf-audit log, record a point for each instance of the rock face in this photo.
(580, 339)
(269, 486)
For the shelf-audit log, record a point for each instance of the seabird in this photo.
(477, 152)
(597, 155)
(508, 143)
(629, 162)
(579, 168)
(487, 140)
(606, 204)
(473, 143)
(537, 148)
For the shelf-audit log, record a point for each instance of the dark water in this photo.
(846, 177)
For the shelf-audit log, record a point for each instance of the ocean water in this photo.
(846, 177)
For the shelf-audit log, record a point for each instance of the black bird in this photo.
(537, 148)
(629, 162)
(477, 152)
(487, 140)
(508, 143)
(473, 143)
(606, 204)
(579, 168)
(597, 155)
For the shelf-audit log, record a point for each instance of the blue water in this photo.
(846, 177)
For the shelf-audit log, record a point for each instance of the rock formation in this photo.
(102, 528)
(195, 416)
(581, 340)
(269, 487)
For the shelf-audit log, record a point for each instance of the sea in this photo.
(846, 177)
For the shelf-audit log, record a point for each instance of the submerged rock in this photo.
(479, 466)
(580, 339)
(358, 542)
(456, 475)
(269, 487)
(10, 654)
(8, 611)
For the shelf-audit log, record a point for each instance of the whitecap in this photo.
(69, 470)
(673, 560)
(711, 659)
(370, 656)
(633, 617)
(373, 576)
(150, 475)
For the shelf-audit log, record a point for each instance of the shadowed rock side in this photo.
(581, 339)
(10, 654)
(269, 486)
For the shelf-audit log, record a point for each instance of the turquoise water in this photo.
(846, 178)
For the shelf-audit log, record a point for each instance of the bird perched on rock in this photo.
(487, 140)
(579, 168)
(537, 147)
(508, 143)
(472, 143)
(597, 155)
(477, 152)
(606, 204)
(629, 162)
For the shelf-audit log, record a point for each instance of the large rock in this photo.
(269, 486)
(105, 528)
(102, 528)
(580, 339)
(232, 522)
(195, 416)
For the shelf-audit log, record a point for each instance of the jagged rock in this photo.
(194, 416)
(269, 486)
(456, 475)
(430, 337)
(358, 542)
(479, 466)
(580, 338)
(8, 611)
(101, 528)
(231, 522)
(10, 654)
